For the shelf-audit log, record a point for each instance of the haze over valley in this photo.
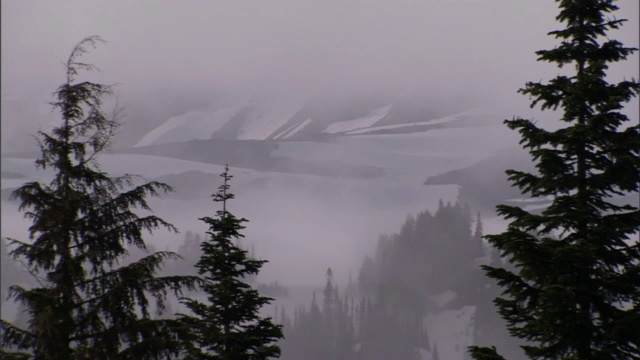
(341, 123)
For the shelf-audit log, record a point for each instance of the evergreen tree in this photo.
(575, 289)
(305, 338)
(11, 272)
(190, 252)
(229, 326)
(330, 309)
(323, 332)
(488, 326)
(88, 304)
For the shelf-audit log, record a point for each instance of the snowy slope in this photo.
(359, 123)
(264, 121)
(291, 120)
(324, 219)
(292, 130)
(190, 126)
(443, 120)
(451, 332)
(252, 122)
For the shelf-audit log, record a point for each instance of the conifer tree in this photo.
(228, 326)
(88, 304)
(330, 313)
(575, 290)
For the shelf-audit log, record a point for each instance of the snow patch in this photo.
(444, 298)
(451, 331)
(196, 125)
(293, 129)
(399, 126)
(262, 122)
(478, 113)
(359, 123)
(285, 131)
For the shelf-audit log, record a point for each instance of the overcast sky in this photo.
(285, 48)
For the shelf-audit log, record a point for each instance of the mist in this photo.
(382, 110)
(164, 55)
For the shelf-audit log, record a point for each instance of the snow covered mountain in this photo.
(336, 176)
(310, 120)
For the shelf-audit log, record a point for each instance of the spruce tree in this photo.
(228, 326)
(574, 291)
(87, 305)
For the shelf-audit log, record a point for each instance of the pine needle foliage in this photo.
(228, 326)
(575, 290)
(88, 305)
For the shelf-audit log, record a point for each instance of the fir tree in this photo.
(229, 326)
(330, 313)
(88, 305)
(575, 289)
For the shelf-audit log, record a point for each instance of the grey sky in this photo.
(482, 48)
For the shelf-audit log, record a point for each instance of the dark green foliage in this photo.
(575, 290)
(11, 272)
(489, 327)
(229, 325)
(389, 332)
(432, 253)
(88, 305)
(321, 332)
(342, 329)
(484, 353)
(190, 251)
(304, 335)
